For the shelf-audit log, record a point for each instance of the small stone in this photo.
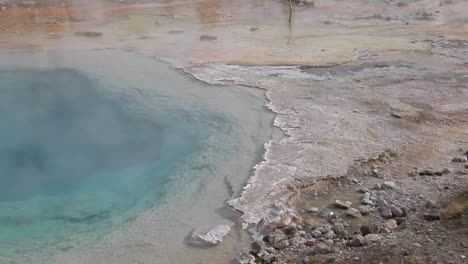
(417, 245)
(445, 171)
(430, 204)
(396, 211)
(391, 224)
(377, 186)
(207, 38)
(357, 241)
(329, 242)
(388, 185)
(313, 210)
(253, 29)
(432, 216)
(342, 204)
(354, 213)
(413, 174)
(371, 238)
(281, 244)
(387, 213)
(365, 210)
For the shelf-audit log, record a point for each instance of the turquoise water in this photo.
(77, 160)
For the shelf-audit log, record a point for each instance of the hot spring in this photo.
(103, 151)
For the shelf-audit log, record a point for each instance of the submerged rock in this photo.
(207, 38)
(209, 235)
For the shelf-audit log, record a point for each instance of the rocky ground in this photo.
(372, 97)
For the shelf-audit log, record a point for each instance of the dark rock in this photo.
(257, 246)
(208, 38)
(462, 159)
(426, 173)
(88, 34)
(388, 185)
(310, 242)
(369, 229)
(343, 234)
(253, 29)
(432, 216)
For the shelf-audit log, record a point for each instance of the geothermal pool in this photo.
(105, 151)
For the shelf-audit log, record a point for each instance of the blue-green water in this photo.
(77, 160)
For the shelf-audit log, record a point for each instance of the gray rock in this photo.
(377, 186)
(313, 210)
(354, 213)
(387, 213)
(329, 235)
(342, 204)
(371, 238)
(321, 248)
(432, 215)
(363, 190)
(379, 175)
(364, 209)
(357, 241)
(431, 204)
(366, 199)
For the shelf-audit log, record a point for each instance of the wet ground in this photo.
(347, 79)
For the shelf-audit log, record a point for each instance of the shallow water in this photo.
(92, 159)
